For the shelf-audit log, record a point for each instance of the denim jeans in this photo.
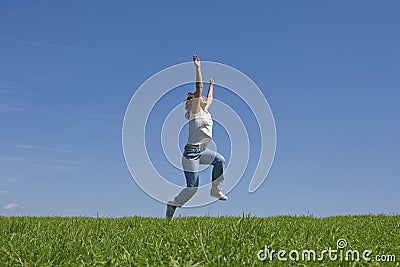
(192, 158)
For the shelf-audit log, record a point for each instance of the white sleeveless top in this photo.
(200, 128)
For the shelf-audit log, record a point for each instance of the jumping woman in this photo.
(196, 151)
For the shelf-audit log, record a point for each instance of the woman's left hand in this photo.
(212, 81)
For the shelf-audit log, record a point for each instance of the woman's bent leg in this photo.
(211, 157)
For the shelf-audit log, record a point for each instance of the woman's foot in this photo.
(217, 193)
(170, 210)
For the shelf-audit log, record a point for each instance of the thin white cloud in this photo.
(33, 147)
(11, 100)
(10, 91)
(5, 158)
(4, 107)
(12, 207)
(41, 148)
(6, 91)
(3, 192)
(30, 43)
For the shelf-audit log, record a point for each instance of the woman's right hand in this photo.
(196, 61)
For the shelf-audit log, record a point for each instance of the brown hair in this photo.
(188, 104)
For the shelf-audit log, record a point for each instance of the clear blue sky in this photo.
(330, 71)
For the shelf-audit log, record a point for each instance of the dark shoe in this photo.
(170, 211)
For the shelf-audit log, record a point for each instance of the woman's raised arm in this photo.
(210, 94)
(199, 86)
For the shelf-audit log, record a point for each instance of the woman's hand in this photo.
(212, 81)
(196, 60)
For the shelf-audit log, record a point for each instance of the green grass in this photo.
(204, 241)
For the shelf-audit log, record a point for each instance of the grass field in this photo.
(204, 241)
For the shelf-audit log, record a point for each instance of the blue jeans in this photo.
(193, 157)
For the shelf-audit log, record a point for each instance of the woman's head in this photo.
(189, 100)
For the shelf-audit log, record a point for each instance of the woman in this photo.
(196, 152)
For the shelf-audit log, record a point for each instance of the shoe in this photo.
(217, 193)
(170, 211)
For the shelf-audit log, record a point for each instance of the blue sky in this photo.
(329, 70)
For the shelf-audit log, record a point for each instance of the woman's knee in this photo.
(191, 189)
(219, 159)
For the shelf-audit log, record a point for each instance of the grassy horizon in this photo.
(195, 241)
